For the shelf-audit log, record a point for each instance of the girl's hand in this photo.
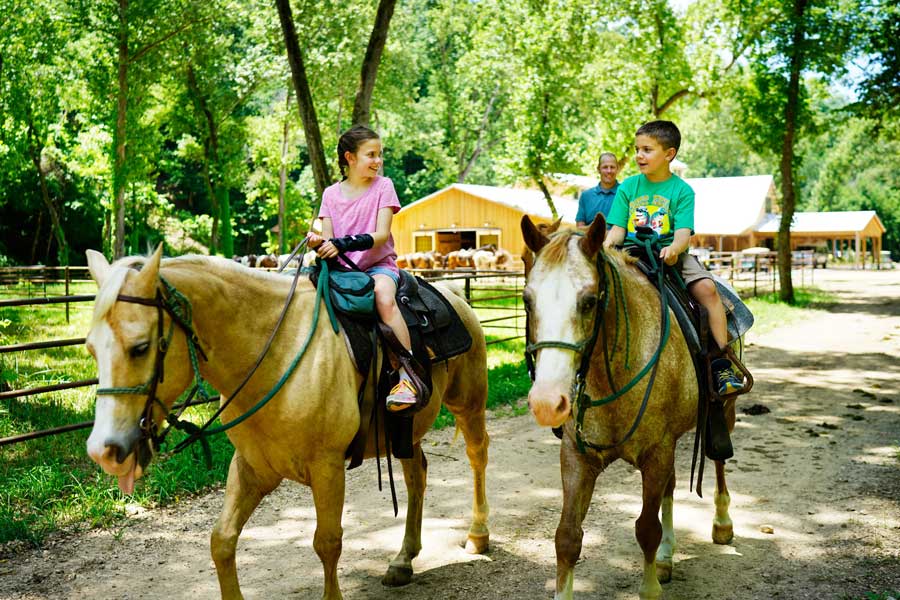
(314, 240)
(668, 257)
(327, 250)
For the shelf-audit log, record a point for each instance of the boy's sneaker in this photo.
(725, 378)
(402, 396)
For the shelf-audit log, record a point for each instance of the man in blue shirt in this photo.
(599, 199)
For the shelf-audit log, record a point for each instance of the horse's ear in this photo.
(592, 242)
(98, 266)
(534, 239)
(146, 279)
(554, 226)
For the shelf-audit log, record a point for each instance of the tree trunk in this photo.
(282, 173)
(369, 70)
(119, 178)
(37, 235)
(540, 181)
(304, 100)
(36, 150)
(788, 189)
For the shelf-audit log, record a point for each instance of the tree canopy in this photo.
(211, 127)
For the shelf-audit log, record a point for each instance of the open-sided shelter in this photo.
(839, 229)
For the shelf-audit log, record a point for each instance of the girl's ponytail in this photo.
(350, 141)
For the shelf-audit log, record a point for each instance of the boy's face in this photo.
(651, 158)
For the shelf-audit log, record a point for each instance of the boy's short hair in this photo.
(664, 132)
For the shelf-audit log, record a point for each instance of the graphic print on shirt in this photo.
(647, 211)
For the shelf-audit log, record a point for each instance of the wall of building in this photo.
(454, 209)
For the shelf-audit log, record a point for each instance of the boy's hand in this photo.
(668, 256)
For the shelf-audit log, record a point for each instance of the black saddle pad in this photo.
(436, 330)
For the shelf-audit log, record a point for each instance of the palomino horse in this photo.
(301, 434)
(574, 283)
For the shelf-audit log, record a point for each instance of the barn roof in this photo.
(729, 205)
(531, 202)
(835, 222)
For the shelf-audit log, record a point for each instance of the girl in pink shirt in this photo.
(356, 215)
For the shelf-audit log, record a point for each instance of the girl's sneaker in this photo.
(402, 396)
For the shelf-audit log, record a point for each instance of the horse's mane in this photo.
(557, 249)
(119, 270)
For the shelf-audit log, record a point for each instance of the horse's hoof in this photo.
(397, 576)
(477, 544)
(664, 571)
(722, 534)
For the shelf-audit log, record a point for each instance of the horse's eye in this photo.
(526, 300)
(588, 303)
(139, 350)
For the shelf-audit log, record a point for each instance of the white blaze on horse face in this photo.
(115, 417)
(554, 293)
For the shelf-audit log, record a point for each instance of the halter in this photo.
(585, 348)
(179, 309)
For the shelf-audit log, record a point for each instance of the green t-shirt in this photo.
(664, 206)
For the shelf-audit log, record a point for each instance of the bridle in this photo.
(179, 309)
(585, 349)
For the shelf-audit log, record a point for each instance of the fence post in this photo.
(468, 289)
(67, 293)
(755, 272)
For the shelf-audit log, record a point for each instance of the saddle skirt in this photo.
(435, 329)
(738, 317)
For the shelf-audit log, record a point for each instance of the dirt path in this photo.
(822, 469)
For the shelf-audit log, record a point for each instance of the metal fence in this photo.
(482, 289)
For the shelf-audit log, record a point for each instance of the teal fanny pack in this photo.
(352, 292)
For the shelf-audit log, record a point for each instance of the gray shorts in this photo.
(690, 268)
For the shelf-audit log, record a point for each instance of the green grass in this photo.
(50, 484)
(770, 313)
(875, 596)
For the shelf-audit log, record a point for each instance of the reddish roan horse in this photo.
(565, 293)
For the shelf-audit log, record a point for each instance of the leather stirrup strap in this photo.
(413, 368)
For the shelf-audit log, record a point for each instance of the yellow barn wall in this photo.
(467, 212)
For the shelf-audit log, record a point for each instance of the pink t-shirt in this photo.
(360, 215)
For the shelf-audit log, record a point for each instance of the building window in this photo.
(492, 238)
(423, 242)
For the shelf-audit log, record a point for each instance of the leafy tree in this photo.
(812, 36)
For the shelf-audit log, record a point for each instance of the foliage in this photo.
(482, 92)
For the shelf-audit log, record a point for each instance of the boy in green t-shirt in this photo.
(663, 201)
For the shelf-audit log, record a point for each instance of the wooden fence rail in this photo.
(19, 302)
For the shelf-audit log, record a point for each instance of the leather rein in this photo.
(585, 348)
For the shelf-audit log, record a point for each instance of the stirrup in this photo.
(727, 381)
(402, 396)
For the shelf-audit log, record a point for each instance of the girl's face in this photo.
(367, 160)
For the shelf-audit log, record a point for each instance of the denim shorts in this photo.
(384, 271)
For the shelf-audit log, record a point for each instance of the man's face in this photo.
(608, 170)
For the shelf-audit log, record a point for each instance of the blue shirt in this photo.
(595, 200)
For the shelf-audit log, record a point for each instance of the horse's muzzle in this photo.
(549, 403)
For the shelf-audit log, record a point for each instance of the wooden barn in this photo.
(463, 216)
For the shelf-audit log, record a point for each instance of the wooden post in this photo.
(67, 293)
